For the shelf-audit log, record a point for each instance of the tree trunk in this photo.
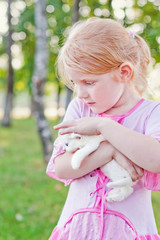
(6, 121)
(75, 18)
(75, 15)
(39, 79)
(110, 8)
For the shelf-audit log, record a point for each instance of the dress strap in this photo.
(101, 203)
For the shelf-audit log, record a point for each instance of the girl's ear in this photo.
(126, 71)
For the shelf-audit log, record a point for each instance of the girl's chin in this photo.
(97, 110)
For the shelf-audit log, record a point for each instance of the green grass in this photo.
(156, 208)
(30, 201)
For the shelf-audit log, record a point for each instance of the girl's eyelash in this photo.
(89, 83)
(72, 82)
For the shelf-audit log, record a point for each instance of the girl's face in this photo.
(100, 92)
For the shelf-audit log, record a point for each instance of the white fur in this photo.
(121, 181)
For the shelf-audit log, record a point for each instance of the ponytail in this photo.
(144, 52)
(142, 65)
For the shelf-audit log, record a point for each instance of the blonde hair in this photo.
(98, 46)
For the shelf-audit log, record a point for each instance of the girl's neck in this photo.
(126, 102)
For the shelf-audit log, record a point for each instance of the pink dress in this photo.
(86, 214)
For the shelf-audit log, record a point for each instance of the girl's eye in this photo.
(72, 82)
(89, 83)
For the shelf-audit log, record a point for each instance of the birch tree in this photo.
(6, 121)
(39, 78)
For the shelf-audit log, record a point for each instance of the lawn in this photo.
(30, 200)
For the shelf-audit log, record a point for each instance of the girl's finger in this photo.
(127, 165)
(133, 172)
(67, 130)
(57, 127)
(140, 171)
(63, 125)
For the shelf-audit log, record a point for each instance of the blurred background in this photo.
(33, 99)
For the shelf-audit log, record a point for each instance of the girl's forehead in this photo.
(73, 74)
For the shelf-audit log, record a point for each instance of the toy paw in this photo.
(75, 165)
(115, 195)
(119, 194)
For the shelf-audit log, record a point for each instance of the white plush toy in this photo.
(121, 181)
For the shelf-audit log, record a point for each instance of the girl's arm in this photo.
(143, 150)
(98, 158)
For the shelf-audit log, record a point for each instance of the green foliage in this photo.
(26, 25)
(150, 13)
(3, 75)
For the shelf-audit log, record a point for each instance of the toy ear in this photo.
(78, 137)
(75, 136)
(63, 138)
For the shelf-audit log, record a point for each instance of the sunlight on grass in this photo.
(31, 202)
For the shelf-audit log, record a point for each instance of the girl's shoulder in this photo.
(149, 111)
(145, 119)
(149, 105)
(146, 109)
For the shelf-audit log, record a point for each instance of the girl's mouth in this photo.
(91, 103)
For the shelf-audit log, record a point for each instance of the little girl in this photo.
(106, 66)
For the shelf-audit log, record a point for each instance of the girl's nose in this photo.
(81, 92)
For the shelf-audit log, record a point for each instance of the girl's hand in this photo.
(84, 126)
(135, 171)
(90, 126)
